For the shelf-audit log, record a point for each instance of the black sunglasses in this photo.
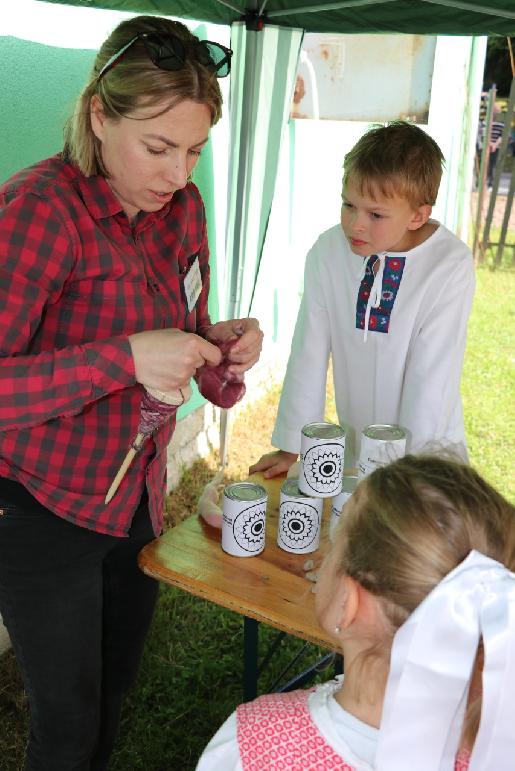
(170, 53)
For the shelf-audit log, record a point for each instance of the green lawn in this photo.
(191, 674)
(488, 384)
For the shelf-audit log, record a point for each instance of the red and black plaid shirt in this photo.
(76, 278)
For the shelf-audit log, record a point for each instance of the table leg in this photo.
(250, 658)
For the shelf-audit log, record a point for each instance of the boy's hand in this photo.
(274, 463)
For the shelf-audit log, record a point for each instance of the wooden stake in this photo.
(512, 61)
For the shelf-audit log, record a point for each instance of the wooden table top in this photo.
(270, 587)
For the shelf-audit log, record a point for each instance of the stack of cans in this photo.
(301, 501)
(301, 504)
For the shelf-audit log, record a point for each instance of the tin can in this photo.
(321, 455)
(300, 519)
(348, 486)
(380, 444)
(244, 519)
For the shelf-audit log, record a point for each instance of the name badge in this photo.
(193, 284)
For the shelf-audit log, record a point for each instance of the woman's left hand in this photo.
(246, 351)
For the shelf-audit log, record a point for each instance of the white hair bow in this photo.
(433, 654)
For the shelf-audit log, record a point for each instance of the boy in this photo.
(387, 295)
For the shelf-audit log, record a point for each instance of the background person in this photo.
(387, 295)
(104, 281)
(496, 133)
(420, 570)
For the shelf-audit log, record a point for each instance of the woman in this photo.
(104, 288)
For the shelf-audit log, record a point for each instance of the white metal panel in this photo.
(365, 77)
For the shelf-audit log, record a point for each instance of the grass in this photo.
(191, 673)
(507, 258)
(488, 383)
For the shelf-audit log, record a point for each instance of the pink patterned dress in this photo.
(276, 732)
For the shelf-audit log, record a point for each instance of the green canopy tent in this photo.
(266, 36)
(435, 17)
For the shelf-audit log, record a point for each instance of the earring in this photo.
(337, 630)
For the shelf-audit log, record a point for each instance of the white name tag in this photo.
(193, 285)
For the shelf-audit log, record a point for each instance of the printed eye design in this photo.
(298, 525)
(249, 527)
(322, 467)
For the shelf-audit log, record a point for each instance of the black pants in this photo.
(77, 608)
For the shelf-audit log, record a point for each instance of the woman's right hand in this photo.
(274, 463)
(166, 359)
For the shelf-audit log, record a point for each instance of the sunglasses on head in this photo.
(170, 53)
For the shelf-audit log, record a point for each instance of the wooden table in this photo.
(270, 588)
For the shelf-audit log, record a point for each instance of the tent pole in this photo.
(336, 6)
(245, 141)
(245, 137)
(235, 8)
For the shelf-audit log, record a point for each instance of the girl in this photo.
(417, 585)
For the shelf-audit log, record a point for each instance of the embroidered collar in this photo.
(377, 292)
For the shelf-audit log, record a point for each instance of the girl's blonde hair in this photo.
(134, 81)
(397, 159)
(409, 524)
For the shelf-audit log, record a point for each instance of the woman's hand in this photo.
(246, 351)
(274, 463)
(166, 359)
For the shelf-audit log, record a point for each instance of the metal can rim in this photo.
(396, 432)
(337, 431)
(230, 491)
(290, 487)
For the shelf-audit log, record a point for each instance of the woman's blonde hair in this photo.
(397, 159)
(409, 524)
(133, 82)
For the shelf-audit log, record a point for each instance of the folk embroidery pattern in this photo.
(379, 320)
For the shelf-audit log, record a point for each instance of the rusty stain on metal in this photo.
(365, 77)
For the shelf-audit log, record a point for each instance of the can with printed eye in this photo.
(300, 519)
(244, 519)
(381, 444)
(322, 447)
(348, 486)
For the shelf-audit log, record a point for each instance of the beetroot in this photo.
(217, 384)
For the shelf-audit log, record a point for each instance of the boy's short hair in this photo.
(397, 159)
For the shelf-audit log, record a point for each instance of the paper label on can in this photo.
(243, 530)
(321, 469)
(339, 501)
(299, 525)
(376, 453)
